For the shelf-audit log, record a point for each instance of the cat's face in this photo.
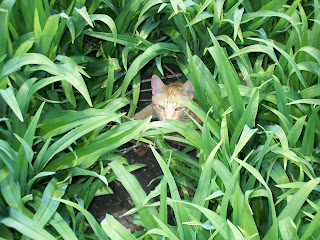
(167, 109)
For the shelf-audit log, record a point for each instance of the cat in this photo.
(163, 106)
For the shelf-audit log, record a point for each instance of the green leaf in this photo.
(84, 13)
(91, 220)
(181, 214)
(83, 172)
(49, 207)
(67, 88)
(273, 231)
(306, 101)
(24, 47)
(257, 48)
(218, 222)
(9, 97)
(200, 17)
(25, 225)
(176, 3)
(71, 28)
(21, 166)
(121, 39)
(248, 118)
(37, 28)
(281, 98)
(62, 227)
(8, 155)
(313, 91)
(65, 59)
(125, 17)
(287, 56)
(168, 233)
(150, 4)
(184, 129)
(203, 189)
(211, 87)
(296, 131)
(73, 135)
(5, 233)
(307, 146)
(109, 21)
(296, 202)
(314, 52)
(237, 15)
(48, 34)
(73, 77)
(228, 76)
(288, 229)
(16, 63)
(114, 229)
(137, 194)
(267, 13)
(36, 177)
(54, 123)
(150, 53)
(246, 134)
(27, 149)
(313, 229)
(101, 145)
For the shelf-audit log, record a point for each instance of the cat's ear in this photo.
(157, 85)
(188, 87)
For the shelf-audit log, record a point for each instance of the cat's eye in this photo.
(179, 108)
(161, 107)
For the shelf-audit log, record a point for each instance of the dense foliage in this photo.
(69, 67)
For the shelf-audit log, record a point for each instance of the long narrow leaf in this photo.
(9, 97)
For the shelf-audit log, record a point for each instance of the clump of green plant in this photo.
(56, 139)
(254, 66)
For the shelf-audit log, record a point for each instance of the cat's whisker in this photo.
(176, 75)
(146, 90)
(166, 67)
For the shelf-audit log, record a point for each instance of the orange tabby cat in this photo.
(163, 107)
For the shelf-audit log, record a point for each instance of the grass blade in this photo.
(25, 225)
(181, 214)
(307, 146)
(150, 53)
(288, 229)
(16, 63)
(91, 220)
(9, 97)
(294, 206)
(101, 145)
(49, 207)
(137, 194)
(229, 78)
(70, 137)
(48, 34)
(114, 229)
(203, 189)
(21, 166)
(109, 21)
(84, 13)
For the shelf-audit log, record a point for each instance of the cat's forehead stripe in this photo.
(170, 103)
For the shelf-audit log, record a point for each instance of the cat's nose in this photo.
(168, 117)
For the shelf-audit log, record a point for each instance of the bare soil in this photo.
(120, 202)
